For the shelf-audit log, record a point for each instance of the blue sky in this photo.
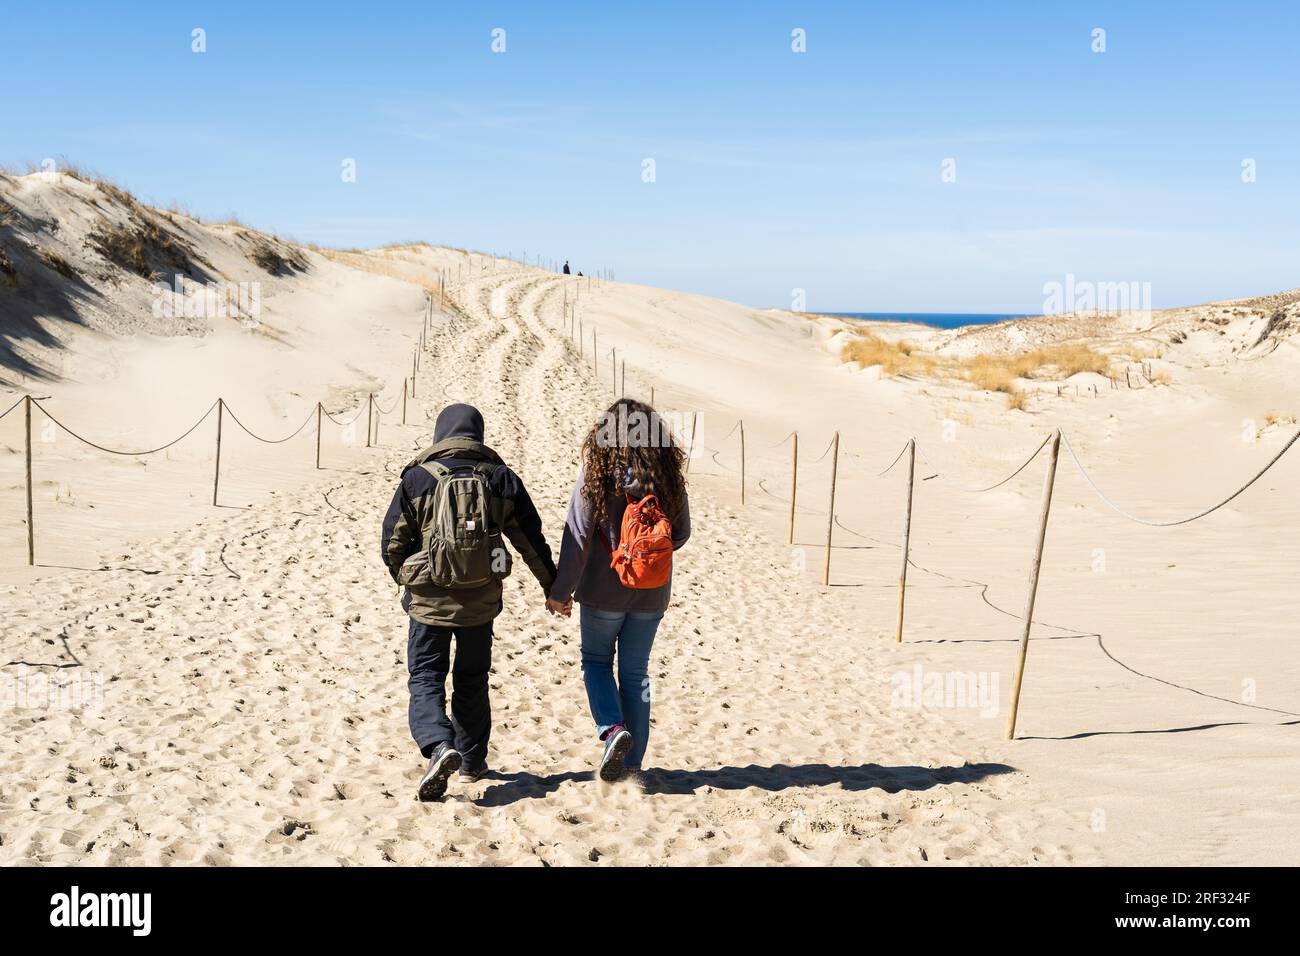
(774, 170)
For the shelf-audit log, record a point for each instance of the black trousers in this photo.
(428, 660)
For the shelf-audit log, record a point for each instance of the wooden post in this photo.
(742, 461)
(652, 396)
(690, 452)
(907, 534)
(27, 453)
(794, 482)
(830, 517)
(403, 401)
(378, 417)
(370, 415)
(413, 370)
(318, 417)
(216, 471)
(1034, 569)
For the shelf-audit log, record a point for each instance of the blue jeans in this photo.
(626, 702)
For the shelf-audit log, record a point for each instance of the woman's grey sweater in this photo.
(584, 571)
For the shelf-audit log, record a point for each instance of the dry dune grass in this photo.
(142, 246)
(273, 256)
(8, 274)
(384, 262)
(59, 264)
(894, 358)
(995, 373)
(373, 265)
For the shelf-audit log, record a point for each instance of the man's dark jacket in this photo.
(458, 442)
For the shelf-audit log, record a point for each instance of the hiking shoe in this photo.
(617, 745)
(471, 774)
(442, 764)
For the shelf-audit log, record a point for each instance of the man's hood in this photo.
(458, 421)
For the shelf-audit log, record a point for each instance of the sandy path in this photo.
(254, 694)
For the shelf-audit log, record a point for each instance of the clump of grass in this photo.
(142, 246)
(994, 373)
(893, 358)
(56, 262)
(277, 259)
(1017, 399)
(1279, 418)
(1075, 358)
(117, 194)
(998, 373)
(8, 274)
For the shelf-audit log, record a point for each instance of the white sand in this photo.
(252, 655)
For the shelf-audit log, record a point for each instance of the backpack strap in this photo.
(436, 468)
(631, 502)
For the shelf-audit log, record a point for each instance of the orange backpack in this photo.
(644, 557)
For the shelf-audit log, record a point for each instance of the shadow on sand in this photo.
(526, 786)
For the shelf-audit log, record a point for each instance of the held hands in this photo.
(563, 609)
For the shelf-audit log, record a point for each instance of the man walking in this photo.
(443, 543)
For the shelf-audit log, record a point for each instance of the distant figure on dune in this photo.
(443, 542)
(566, 267)
(627, 515)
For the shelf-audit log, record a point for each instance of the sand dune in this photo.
(252, 656)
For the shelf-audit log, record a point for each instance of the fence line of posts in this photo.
(570, 316)
(373, 417)
(575, 330)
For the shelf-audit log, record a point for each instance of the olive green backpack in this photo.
(463, 545)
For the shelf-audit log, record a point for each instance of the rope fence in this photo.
(372, 409)
(911, 451)
(573, 327)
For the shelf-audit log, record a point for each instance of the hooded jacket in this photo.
(458, 442)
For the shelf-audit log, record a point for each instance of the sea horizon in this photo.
(941, 320)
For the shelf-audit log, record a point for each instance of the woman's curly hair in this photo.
(631, 437)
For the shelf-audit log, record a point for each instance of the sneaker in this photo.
(472, 774)
(442, 764)
(617, 745)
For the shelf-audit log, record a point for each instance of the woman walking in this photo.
(627, 515)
